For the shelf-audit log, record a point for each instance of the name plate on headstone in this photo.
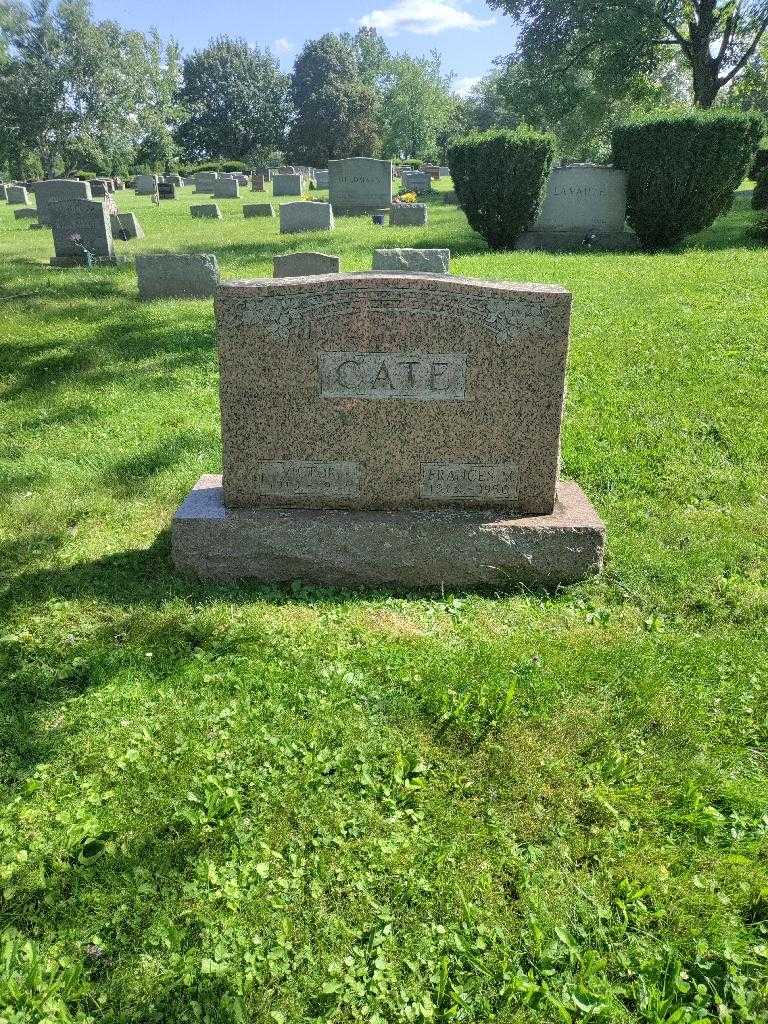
(329, 479)
(416, 375)
(469, 480)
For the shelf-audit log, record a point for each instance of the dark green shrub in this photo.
(682, 169)
(760, 194)
(759, 163)
(82, 175)
(218, 165)
(500, 177)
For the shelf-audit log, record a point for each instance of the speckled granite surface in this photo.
(386, 391)
(428, 548)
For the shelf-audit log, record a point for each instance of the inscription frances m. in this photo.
(469, 480)
(426, 376)
(286, 478)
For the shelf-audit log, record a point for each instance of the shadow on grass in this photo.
(147, 577)
(132, 334)
(128, 475)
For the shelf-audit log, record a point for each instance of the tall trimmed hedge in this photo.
(500, 178)
(760, 194)
(759, 163)
(682, 169)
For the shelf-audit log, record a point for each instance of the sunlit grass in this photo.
(250, 803)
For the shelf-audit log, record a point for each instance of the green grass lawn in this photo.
(281, 805)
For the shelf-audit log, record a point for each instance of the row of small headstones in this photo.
(196, 275)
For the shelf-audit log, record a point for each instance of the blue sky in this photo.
(467, 32)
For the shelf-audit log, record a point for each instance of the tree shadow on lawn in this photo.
(110, 354)
(128, 475)
(146, 577)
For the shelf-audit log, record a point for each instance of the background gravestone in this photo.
(287, 185)
(412, 261)
(146, 184)
(177, 275)
(16, 195)
(25, 213)
(360, 185)
(226, 188)
(303, 264)
(583, 202)
(305, 216)
(78, 225)
(125, 226)
(416, 181)
(206, 210)
(166, 190)
(257, 182)
(57, 190)
(321, 179)
(404, 214)
(258, 210)
(205, 180)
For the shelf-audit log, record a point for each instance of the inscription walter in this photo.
(329, 479)
(469, 480)
(426, 376)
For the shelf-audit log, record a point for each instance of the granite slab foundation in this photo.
(547, 240)
(408, 548)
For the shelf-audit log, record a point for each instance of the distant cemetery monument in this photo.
(408, 214)
(360, 185)
(585, 207)
(304, 216)
(57, 190)
(390, 429)
(82, 233)
(177, 275)
(412, 261)
(303, 264)
(287, 184)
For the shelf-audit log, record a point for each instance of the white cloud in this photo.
(283, 45)
(464, 86)
(423, 17)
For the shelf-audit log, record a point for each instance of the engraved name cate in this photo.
(425, 376)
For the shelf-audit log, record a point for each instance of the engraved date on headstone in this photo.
(333, 479)
(426, 376)
(469, 480)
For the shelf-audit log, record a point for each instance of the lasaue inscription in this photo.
(423, 376)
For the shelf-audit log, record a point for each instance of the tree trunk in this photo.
(705, 67)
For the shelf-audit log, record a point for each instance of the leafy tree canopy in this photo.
(237, 98)
(715, 39)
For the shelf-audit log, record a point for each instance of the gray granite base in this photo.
(410, 548)
(574, 241)
(349, 210)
